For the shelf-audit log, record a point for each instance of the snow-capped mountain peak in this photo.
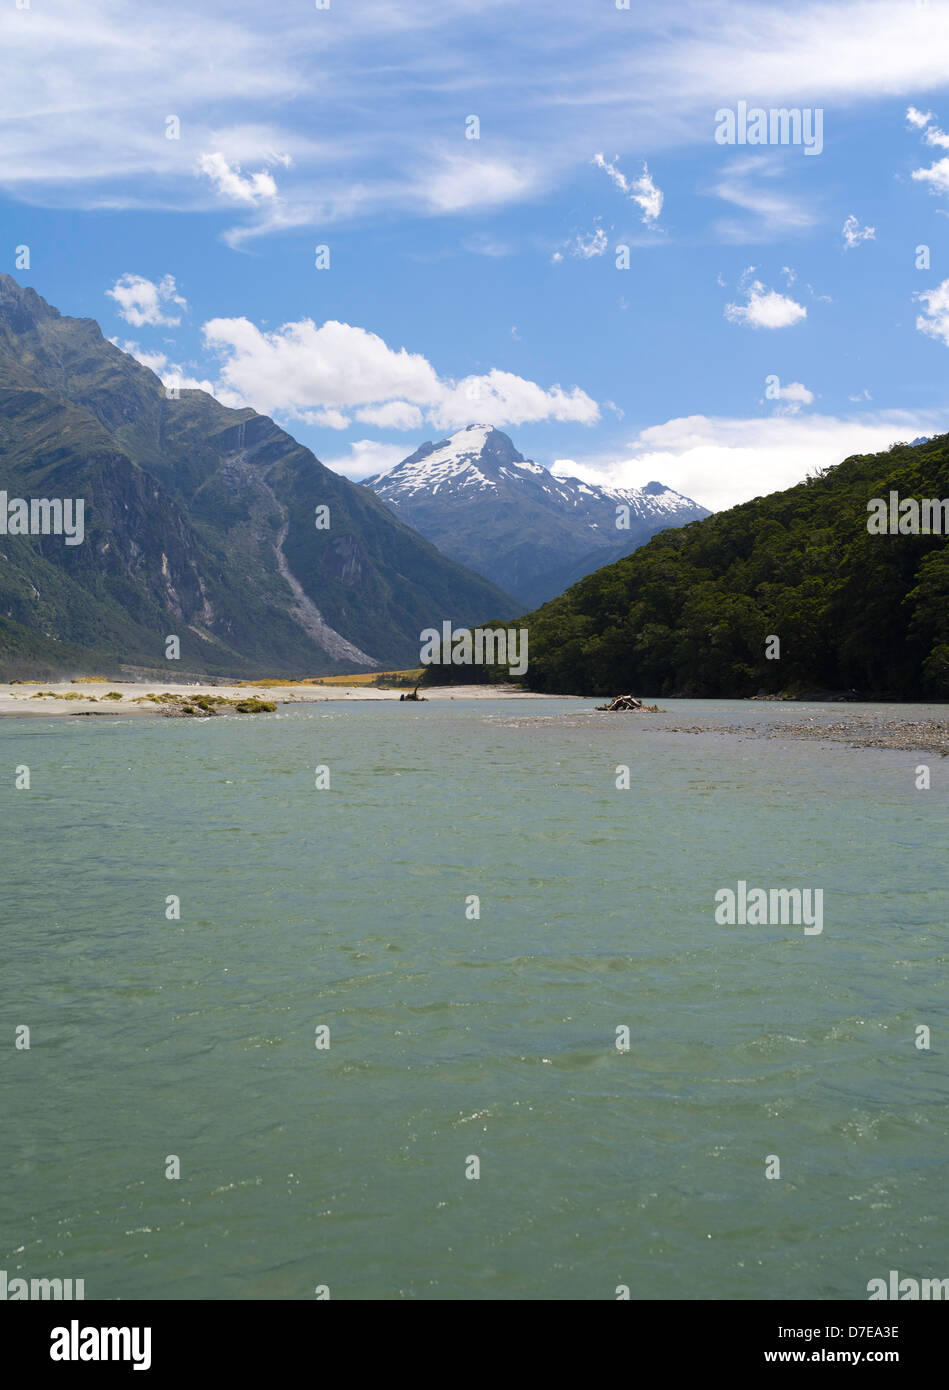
(482, 502)
(483, 458)
(472, 457)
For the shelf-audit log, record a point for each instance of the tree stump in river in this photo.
(622, 702)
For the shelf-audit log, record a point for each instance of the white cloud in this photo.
(394, 415)
(765, 308)
(156, 362)
(791, 397)
(367, 457)
(231, 183)
(720, 462)
(921, 120)
(642, 190)
(192, 383)
(462, 182)
(303, 367)
(647, 195)
(853, 233)
(935, 321)
(324, 374)
(328, 419)
(937, 176)
(505, 399)
(141, 301)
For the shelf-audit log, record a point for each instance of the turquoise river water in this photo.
(454, 1037)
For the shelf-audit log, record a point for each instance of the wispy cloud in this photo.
(853, 233)
(749, 184)
(641, 190)
(586, 246)
(90, 94)
(484, 244)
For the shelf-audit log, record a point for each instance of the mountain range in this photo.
(200, 522)
(509, 519)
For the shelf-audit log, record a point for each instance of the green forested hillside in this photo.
(689, 612)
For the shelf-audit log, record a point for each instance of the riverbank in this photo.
(904, 728)
(859, 731)
(865, 726)
(883, 727)
(130, 698)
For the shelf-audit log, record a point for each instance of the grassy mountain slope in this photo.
(195, 516)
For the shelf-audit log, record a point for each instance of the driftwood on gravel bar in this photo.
(624, 702)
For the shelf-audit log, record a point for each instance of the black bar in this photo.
(708, 1338)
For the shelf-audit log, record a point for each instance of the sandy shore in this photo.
(87, 697)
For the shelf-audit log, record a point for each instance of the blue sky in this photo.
(477, 279)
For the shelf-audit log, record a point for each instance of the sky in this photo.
(378, 221)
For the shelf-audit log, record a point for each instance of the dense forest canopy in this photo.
(690, 612)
